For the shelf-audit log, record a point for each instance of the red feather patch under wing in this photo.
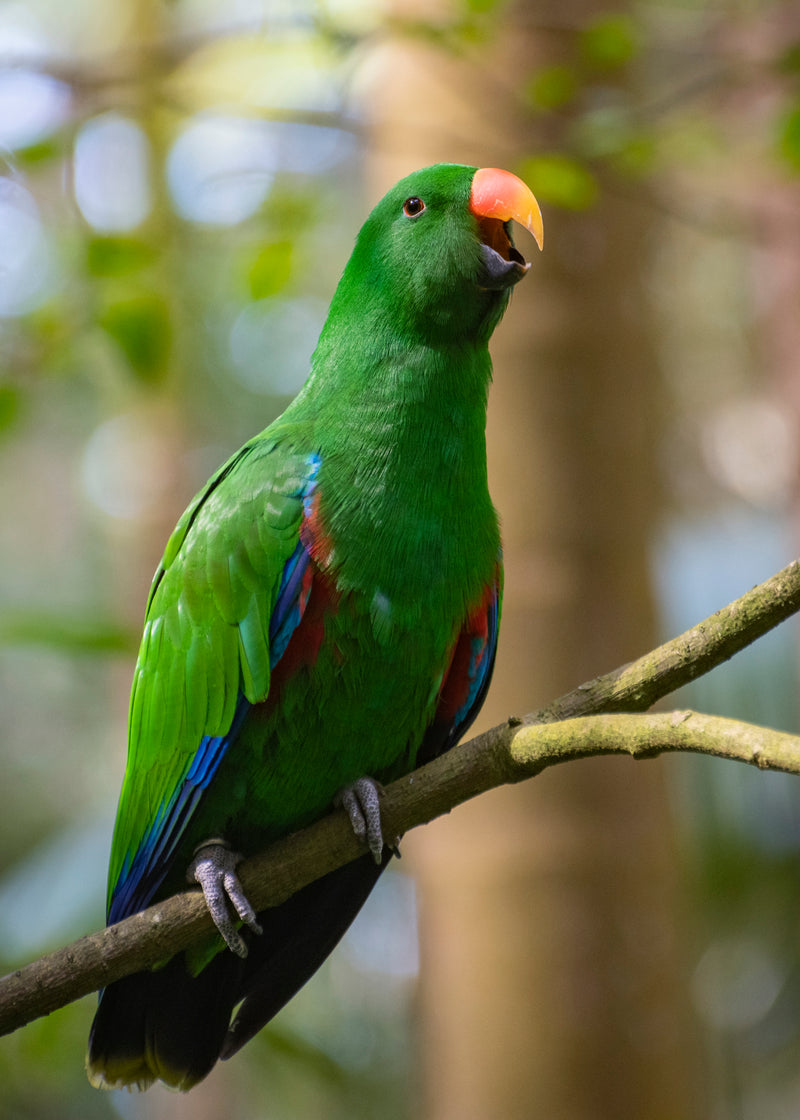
(466, 679)
(319, 601)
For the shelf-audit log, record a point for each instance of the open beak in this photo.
(497, 198)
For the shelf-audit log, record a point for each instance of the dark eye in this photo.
(413, 206)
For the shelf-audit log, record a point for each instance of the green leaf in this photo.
(140, 326)
(116, 256)
(558, 179)
(789, 138)
(271, 269)
(41, 152)
(637, 156)
(67, 633)
(788, 61)
(610, 42)
(9, 406)
(552, 87)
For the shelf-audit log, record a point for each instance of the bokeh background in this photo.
(180, 185)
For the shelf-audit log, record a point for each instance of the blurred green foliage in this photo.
(560, 180)
(118, 256)
(270, 269)
(552, 87)
(141, 326)
(71, 634)
(610, 42)
(789, 138)
(9, 406)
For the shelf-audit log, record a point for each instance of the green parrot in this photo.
(324, 619)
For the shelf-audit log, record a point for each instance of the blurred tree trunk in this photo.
(552, 981)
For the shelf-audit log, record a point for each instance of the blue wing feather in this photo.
(145, 874)
(142, 875)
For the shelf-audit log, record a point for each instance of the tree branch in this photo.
(576, 725)
(637, 686)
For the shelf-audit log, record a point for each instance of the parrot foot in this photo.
(214, 868)
(361, 802)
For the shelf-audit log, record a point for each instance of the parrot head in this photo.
(436, 257)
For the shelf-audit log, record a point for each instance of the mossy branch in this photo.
(595, 718)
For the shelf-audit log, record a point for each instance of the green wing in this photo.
(205, 647)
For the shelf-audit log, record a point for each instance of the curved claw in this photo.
(214, 868)
(361, 802)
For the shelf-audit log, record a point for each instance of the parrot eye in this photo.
(413, 206)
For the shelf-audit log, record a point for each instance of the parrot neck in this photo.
(413, 404)
(401, 435)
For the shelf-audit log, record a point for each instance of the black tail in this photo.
(165, 1024)
(170, 1025)
(297, 938)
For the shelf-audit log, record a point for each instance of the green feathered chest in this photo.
(404, 541)
(402, 506)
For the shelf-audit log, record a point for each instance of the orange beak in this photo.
(499, 194)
